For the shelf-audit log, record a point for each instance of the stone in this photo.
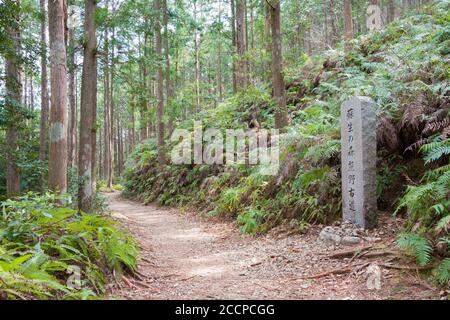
(350, 240)
(359, 157)
(372, 239)
(328, 235)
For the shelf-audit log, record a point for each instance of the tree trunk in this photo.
(108, 166)
(57, 161)
(348, 21)
(267, 72)
(87, 110)
(112, 106)
(167, 57)
(143, 99)
(159, 83)
(219, 53)
(391, 10)
(120, 148)
(13, 90)
(31, 94)
(233, 43)
(133, 126)
(72, 106)
(197, 60)
(281, 117)
(325, 26)
(334, 33)
(241, 74)
(43, 133)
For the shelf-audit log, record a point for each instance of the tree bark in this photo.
(108, 165)
(167, 57)
(87, 110)
(233, 43)
(334, 33)
(143, 99)
(159, 83)
(391, 10)
(241, 73)
(281, 116)
(348, 21)
(197, 60)
(43, 133)
(57, 161)
(219, 53)
(13, 88)
(72, 106)
(111, 103)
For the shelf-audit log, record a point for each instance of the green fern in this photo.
(436, 150)
(323, 151)
(443, 224)
(443, 272)
(416, 245)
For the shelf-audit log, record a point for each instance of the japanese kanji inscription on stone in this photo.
(359, 157)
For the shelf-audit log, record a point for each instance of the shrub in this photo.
(41, 244)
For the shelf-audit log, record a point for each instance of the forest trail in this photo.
(184, 256)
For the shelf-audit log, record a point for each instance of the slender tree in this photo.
(167, 57)
(57, 161)
(87, 109)
(391, 10)
(281, 116)
(241, 74)
(13, 90)
(72, 101)
(348, 21)
(159, 82)
(197, 60)
(108, 142)
(233, 41)
(43, 133)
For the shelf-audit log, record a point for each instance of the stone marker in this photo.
(359, 157)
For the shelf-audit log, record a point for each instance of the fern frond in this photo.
(417, 246)
(443, 272)
(323, 151)
(435, 150)
(443, 224)
(436, 173)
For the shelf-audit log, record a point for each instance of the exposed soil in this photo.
(185, 256)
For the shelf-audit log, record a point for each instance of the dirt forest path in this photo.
(187, 257)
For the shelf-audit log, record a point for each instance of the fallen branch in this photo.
(400, 267)
(188, 278)
(128, 282)
(349, 253)
(337, 271)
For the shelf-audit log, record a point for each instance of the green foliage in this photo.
(436, 150)
(416, 245)
(429, 201)
(41, 243)
(402, 68)
(250, 220)
(428, 204)
(443, 272)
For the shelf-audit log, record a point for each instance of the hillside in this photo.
(404, 68)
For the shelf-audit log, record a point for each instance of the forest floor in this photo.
(185, 256)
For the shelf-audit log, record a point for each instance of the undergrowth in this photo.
(53, 252)
(404, 69)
